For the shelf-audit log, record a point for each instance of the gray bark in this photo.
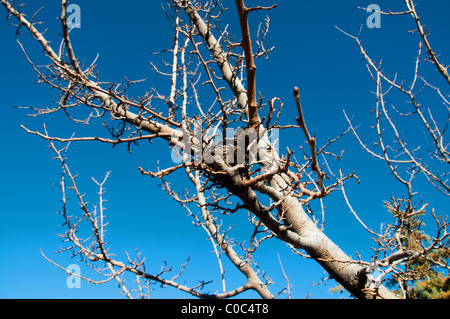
(297, 229)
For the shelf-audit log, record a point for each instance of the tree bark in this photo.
(298, 229)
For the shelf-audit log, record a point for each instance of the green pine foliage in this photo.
(422, 278)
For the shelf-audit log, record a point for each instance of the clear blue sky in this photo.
(310, 53)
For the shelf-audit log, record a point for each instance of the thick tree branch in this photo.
(250, 63)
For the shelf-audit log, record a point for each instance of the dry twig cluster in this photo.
(204, 56)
